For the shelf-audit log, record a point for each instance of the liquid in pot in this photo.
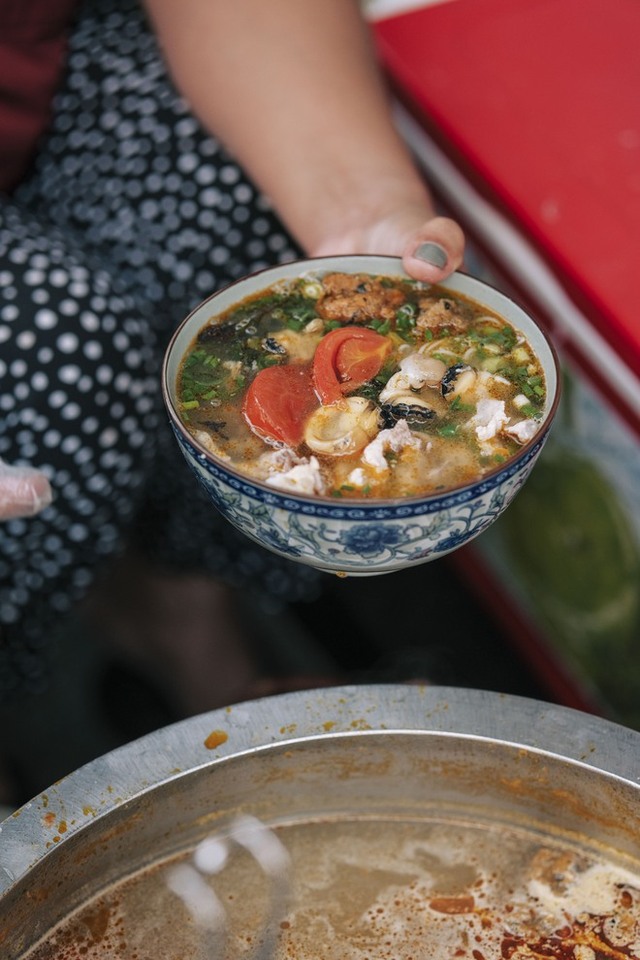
(386, 890)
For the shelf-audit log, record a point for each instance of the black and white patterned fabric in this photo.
(131, 216)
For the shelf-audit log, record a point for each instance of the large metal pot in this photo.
(520, 773)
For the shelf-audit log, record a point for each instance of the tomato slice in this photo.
(345, 359)
(359, 360)
(278, 402)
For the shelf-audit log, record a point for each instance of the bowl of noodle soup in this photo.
(346, 416)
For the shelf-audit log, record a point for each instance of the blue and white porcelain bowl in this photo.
(358, 537)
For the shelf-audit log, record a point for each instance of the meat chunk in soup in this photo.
(352, 298)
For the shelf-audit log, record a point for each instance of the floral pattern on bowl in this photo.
(358, 540)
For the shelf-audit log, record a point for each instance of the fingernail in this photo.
(432, 253)
(41, 501)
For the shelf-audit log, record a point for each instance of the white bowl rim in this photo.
(391, 266)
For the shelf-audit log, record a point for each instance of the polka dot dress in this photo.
(132, 215)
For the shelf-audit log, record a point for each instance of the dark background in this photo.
(420, 624)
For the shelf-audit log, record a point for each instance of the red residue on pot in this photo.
(453, 904)
(215, 739)
(360, 724)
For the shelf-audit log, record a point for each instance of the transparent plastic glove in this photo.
(24, 491)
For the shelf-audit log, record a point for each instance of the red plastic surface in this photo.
(538, 102)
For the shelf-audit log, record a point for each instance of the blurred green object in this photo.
(575, 551)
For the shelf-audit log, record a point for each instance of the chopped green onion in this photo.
(380, 326)
(528, 410)
(457, 404)
(406, 317)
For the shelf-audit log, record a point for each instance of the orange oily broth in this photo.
(445, 452)
(386, 890)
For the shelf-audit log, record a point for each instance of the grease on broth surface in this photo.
(353, 385)
(390, 889)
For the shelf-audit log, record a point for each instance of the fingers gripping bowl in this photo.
(347, 417)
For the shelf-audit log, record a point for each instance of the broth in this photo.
(386, 890)
(358, 386)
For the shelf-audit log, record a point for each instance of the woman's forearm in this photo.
(293, 90)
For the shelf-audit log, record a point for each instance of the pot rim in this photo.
(109, 781)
